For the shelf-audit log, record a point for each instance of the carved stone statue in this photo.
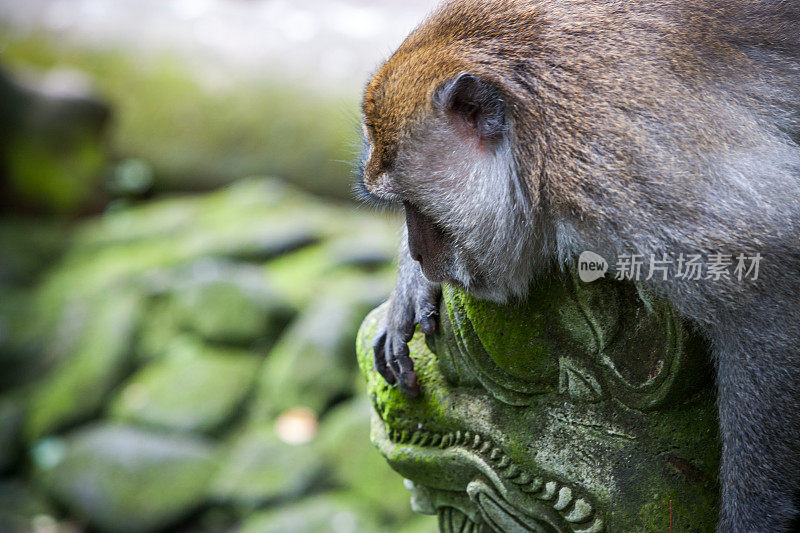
(586, 408)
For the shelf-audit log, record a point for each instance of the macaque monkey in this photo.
(517, 134)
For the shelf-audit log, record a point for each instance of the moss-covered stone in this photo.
(22, 508)
(30, 245)
(303, 274)
(355, 464)
(311, 365)
(78, 387)
(123, 479)
(227, 304)
(174, 392)
(47, 176)
(589, 442)
(52, 148)
(321, 514)
(22, 345)
(257, 467)
(222, 312)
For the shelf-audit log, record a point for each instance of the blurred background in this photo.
(183, 268)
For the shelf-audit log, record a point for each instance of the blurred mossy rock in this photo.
(52, 142)
(220, 301)
(22, 342)
(124, 479)
(173, 392)
(29, 246)
(258, 468)
(584, 407)
(331, 512)
(137, 359)
(95, 345)
(312, 364)
(23, 509)
(344, 444)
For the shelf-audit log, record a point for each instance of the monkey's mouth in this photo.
(428, 244)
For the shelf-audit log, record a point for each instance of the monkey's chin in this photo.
(492, 294)
(477, 287)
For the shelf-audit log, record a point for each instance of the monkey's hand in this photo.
(415, 300)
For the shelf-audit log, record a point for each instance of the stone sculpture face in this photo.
(585, 408)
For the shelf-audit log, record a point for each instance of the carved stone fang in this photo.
(574, 511)
(564, 498)
(580, 512)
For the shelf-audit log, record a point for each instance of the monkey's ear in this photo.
(477, 101)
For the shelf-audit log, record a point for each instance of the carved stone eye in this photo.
(507, 350)
(589, 341)
(626, 345)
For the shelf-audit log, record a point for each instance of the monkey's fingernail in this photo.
(410, 385)
(427, 325)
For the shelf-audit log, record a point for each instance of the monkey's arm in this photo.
(415, 300)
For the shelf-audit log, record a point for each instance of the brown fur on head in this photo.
(439, 128)
(401, 94)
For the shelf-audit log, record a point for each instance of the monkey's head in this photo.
(439, 139)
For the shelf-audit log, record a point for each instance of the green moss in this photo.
(394, 407)
(173, 392)
(514, 335)
(78, 387)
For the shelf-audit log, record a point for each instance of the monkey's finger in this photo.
(407, 376)
(391, 358)
(379, 359)
(410, 385)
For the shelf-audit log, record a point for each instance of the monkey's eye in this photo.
(364, 195)
(367, 197)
